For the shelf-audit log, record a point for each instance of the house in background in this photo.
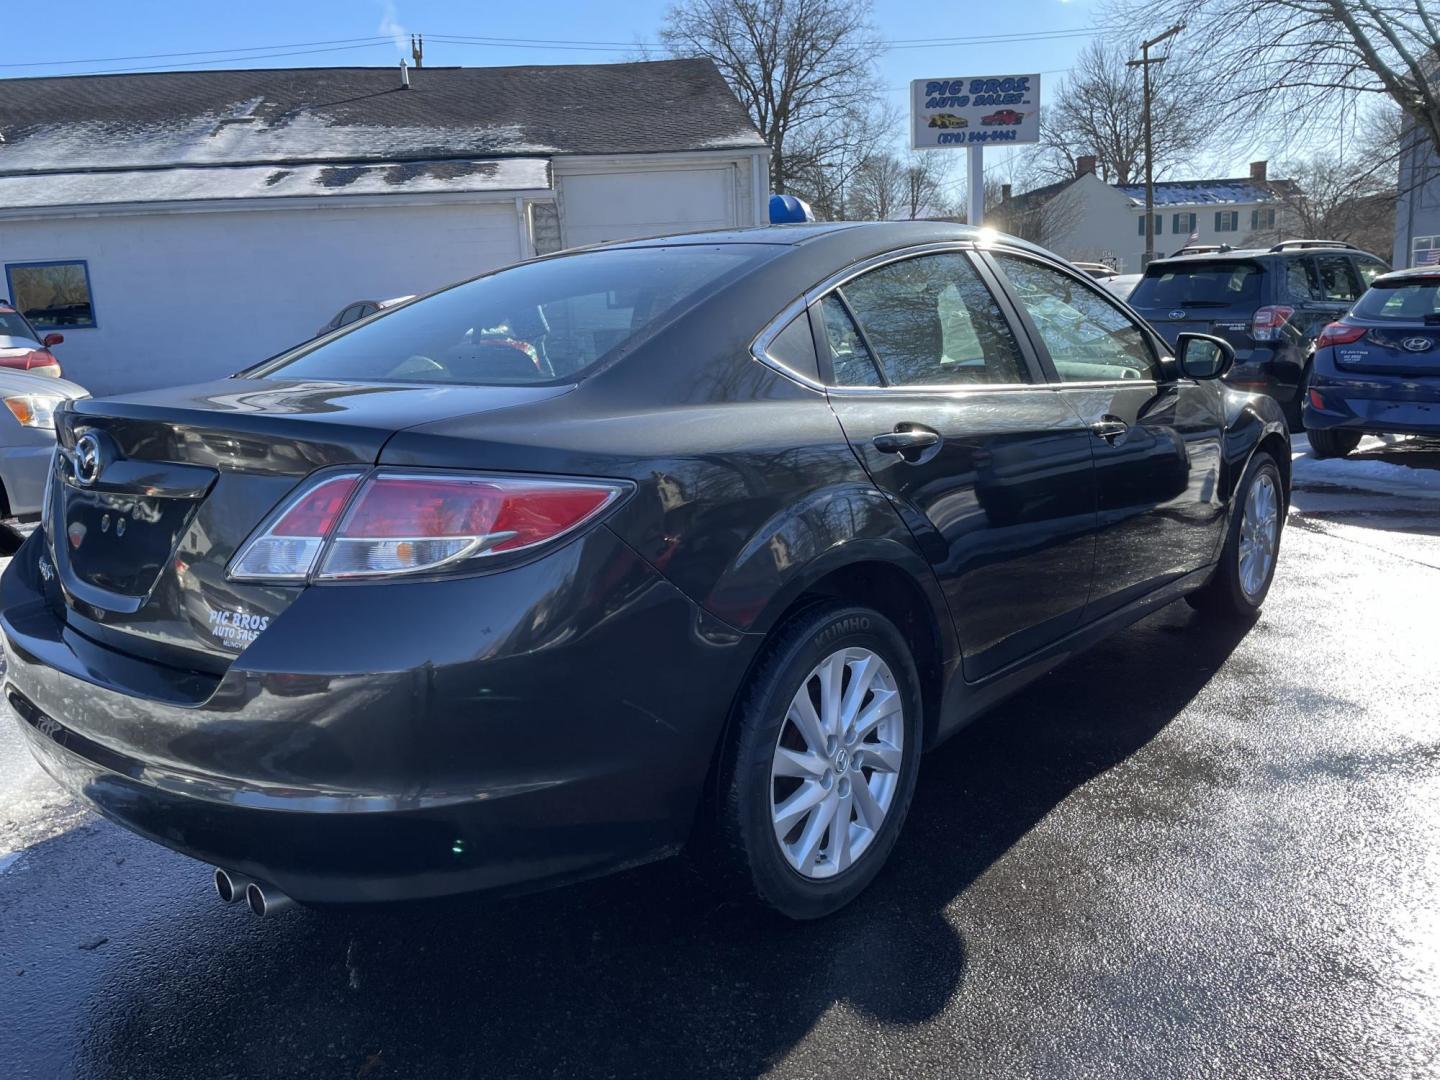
(179, 226)
(1087, 219)
(1417, 209)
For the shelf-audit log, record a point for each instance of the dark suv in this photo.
(1269, 303)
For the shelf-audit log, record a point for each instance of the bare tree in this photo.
(824, 157)
(879, 191)
(1345, 196)
(1100, 111)
(1303, 63)
(794, 64)
(927, 178)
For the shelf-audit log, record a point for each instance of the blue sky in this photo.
(95, 32)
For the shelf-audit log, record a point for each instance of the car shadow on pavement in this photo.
(648, 973)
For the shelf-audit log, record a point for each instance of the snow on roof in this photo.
(1206, 192)
(297, 115)
(272, 181)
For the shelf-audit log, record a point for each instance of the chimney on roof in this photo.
(1257, 171)
(1004, 193)
(404, 76)
(417, 49)
(1085, 163)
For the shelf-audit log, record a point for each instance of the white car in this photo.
(1121, 285)
(27, 436)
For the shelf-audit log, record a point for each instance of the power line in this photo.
(384, 42)
(209, 57)
(195, 52)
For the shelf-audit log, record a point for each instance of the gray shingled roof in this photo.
(353, 115)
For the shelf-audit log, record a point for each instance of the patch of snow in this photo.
(1363, 472)
(274, 181)
(208, 139)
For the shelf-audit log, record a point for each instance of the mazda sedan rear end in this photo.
(555, 571)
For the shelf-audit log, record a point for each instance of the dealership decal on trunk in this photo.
(235, 629)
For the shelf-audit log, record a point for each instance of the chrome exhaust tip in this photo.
(265, 899)
(230, 887)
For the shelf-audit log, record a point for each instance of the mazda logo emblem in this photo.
(1177, 314)
(1416, 344)
(88, 459)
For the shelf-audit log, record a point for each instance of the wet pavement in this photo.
(1194, 852)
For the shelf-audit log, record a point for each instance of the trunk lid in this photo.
(153, 493)
(1392, 350)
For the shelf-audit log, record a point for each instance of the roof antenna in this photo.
(417, 49)
(404, 76)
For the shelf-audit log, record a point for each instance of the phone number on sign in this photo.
(952, 138)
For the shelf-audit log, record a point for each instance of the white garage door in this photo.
(620, 206)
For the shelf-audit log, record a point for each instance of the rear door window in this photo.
(1338, 280)
(1300, 281)
(932, 322)
(850, 361)
(1200, 284)
(538, 322)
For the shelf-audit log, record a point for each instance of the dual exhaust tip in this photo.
(260, 898)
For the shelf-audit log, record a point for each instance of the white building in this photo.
(179, 226)
(1088, 219)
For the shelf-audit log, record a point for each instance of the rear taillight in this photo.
(352, 525)
(1339, 333)
(1267, 322)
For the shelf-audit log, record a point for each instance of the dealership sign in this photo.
(983, 110)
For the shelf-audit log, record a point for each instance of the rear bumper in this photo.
(392, 742)
(1374, 404)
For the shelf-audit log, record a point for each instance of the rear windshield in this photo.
(539, 322)
(1220, 284)
(14, 331)
(1417, 301)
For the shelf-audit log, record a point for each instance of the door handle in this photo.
(1110, 429)
(909, 442)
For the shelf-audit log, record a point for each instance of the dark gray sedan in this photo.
(690, 542)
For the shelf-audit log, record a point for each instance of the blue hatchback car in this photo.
(1377, 370)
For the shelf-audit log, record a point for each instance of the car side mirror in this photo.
(52, 339)
(1202, 356)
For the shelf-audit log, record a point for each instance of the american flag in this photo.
(1428, 257)
(1193, 236)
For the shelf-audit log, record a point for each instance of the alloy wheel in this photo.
(1259, 535)
(837, 760)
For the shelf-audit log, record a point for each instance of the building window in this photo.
(1182, 224)
(1227, 220)
(1262, 219)
(1158, 228)
(52, 295)
(544, 227)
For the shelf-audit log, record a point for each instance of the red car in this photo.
(21, 347)
(1003, 116)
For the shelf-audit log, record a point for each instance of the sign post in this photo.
(970, 113)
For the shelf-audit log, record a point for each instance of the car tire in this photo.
(771, 771)
(1238, 586)
(1332, 442)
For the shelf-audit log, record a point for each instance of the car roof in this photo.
(860, 236)
(1403, 277)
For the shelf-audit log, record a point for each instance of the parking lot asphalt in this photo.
(1197, 851)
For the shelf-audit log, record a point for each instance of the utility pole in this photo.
(1144, 65)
